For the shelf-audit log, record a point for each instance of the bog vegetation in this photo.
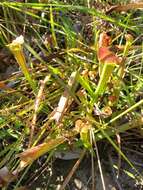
(71, 80)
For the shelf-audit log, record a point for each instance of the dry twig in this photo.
(73, 170)
(120, 8)
(37, 104)
(64, 100)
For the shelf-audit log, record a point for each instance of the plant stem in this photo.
(105, 76)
